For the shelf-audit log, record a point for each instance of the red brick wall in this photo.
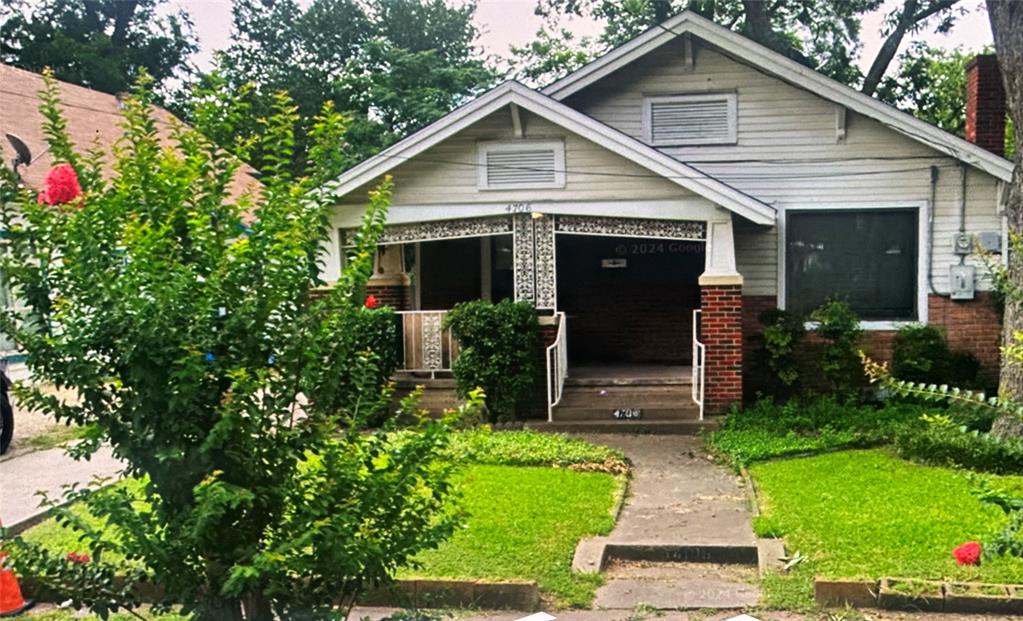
(985, 104)
(721, 331)
(970, 325)
(395, 296)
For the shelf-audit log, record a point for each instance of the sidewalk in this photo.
(49, 471)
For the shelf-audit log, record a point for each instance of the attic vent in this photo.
(528, 164)
(691, 119)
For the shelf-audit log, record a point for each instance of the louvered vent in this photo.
(521, 167)
(692, 120)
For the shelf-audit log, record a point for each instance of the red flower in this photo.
(967, 553)
(372, 301)
(61, 186)
(78, 559)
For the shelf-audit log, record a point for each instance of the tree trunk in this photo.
(1007, 27)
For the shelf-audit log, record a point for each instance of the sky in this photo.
(512, 22)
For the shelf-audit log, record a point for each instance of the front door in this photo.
(628, 300)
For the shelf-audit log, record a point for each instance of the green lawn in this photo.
(868, 514)
(524, 524)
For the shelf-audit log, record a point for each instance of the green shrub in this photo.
(949, 444)
(783, 331)
(498, 354)
(921, 354)
(839, 329)
(767, 430)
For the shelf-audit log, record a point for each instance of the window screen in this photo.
(867, 258)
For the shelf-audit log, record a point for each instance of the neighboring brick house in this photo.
(690, 169)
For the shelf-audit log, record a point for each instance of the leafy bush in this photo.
(767, 430)
(183, 320)
(783, 332)
(921, 354)
(945, 443)
(498, 354)
(532, 448)
(839, 328)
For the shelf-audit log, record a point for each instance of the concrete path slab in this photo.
(677, 496)
(49, 471)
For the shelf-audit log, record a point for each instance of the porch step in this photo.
(683, 379)
(662, 412)
(650, 427)
(612, 397)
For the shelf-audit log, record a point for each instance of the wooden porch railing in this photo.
(426, 346)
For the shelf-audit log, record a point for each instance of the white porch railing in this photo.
(699, 362)
(557, 366)
(427, 346)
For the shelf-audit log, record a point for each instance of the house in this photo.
(654, 202)
(93, 121)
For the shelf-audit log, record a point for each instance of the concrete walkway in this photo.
(684, 539)
(49, 471)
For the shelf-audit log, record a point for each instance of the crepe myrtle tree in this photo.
(182, 321)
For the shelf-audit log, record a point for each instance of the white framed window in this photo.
(521, 164)
(874, 257)
(707, 118)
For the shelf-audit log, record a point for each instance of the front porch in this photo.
(636, 314)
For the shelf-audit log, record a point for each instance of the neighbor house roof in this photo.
(572, 120)
(773, 63)
(93, 119)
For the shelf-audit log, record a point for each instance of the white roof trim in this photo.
(788, 70)
(573, 121)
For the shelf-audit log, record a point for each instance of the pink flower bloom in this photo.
(78, 559)
(372, 301)
(967, 553)
(61, 186)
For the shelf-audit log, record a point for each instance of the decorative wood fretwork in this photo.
(523, 258)
(442, 229)
(546, 287)
(632, 227)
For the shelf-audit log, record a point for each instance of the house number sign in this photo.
(627, 414)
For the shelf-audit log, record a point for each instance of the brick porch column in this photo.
(721, 320)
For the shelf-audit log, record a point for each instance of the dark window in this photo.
(867, 258)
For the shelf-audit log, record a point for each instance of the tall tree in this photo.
(391, 66)
(99, 44)
(1007, 27)
(821, 34)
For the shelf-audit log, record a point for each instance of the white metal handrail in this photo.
(557, 366)
(699, 362)
(427, 346)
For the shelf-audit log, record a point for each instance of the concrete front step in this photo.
(680, 380)
(651, 427)
(603, 414)
(678, 586)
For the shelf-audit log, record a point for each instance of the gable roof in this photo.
(576, 122)
(93, 119)
(786, 69)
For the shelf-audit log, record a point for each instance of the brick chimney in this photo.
(985, 104)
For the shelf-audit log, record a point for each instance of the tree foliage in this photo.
(390, 66)
(820, 34)
(181, 320)
(99, 44)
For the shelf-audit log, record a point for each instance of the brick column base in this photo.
(721, 332)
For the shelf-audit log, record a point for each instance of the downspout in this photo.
(935, 172)
(962, 205)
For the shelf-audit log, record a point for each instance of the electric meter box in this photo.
(960, 282)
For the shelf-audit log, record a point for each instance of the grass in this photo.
(524, 524)
(867, 514)
(767, 430)
(60, 614)
(52, 437)
(532, 448)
